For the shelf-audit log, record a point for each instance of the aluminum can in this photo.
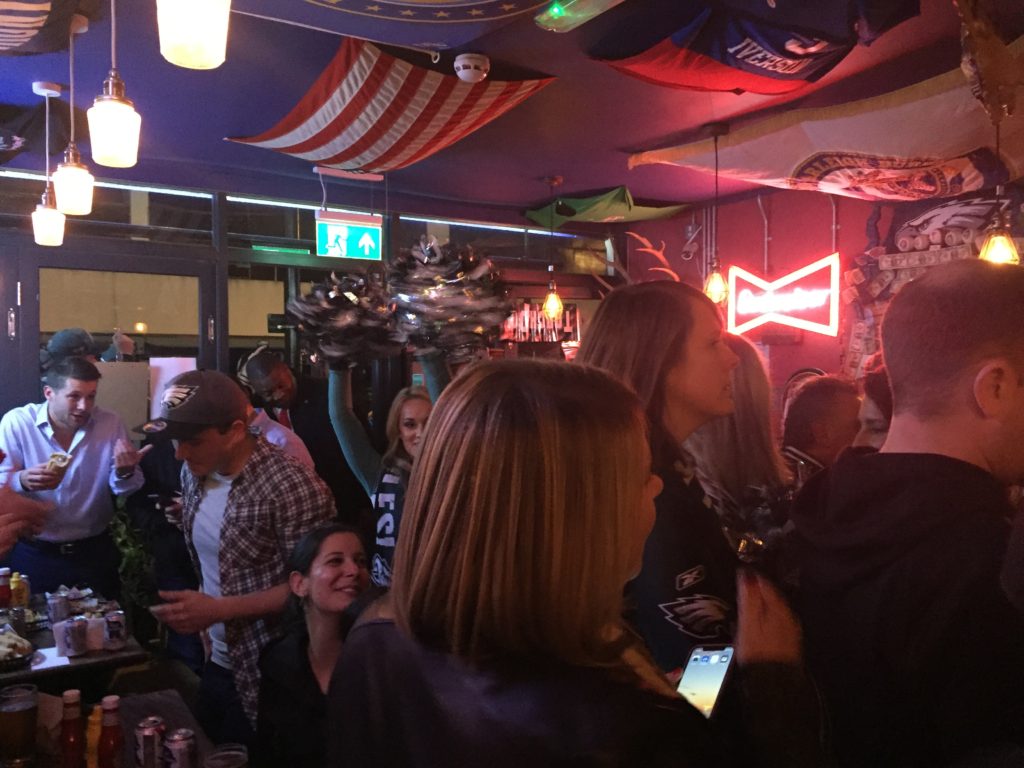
(76, 636)
(116, 633)
(180, 749)
(149, 742)
(57, 608)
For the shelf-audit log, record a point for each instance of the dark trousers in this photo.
(219, 708)
(92, 562)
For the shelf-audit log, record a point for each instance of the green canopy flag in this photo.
(613, 206)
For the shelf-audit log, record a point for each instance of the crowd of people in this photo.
(550, 541)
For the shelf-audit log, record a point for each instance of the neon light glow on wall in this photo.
(807, 298)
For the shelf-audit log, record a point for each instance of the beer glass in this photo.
(18, 710)
(227, 756)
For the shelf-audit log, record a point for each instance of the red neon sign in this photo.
(806, 298)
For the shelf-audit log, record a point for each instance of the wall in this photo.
(800, 231)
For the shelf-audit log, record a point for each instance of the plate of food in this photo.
(15, 651)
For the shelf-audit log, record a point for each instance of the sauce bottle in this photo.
(111, 746)
(72, 731)
(5, 587)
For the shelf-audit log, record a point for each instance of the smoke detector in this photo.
(472, 67)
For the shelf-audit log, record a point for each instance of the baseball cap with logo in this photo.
(194, 401)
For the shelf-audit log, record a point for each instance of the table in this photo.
(46, 664)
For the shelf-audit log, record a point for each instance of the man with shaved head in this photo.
(918, 650)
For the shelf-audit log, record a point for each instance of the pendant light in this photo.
(114, 124)
(553, 307)
(72, 182)
(47, 221)
(193, 33)
(999, 247)
(715, 287)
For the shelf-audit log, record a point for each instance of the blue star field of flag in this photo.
(427, 24)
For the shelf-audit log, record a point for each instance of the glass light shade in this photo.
(999, 248)
(114, 127)
(553, 305)
(193, 33)
(73, 186)
(48, 225)
(715, 287)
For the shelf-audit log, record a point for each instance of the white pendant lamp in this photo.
(47, 221)
(193, 33)
(72, 182)
(114, 124)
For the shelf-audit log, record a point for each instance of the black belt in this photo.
(67, 548)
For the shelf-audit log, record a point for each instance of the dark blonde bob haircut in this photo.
(521, 519)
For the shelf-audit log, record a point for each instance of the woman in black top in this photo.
(328, 572)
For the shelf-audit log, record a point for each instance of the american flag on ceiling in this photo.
(369, 111)
(40, 26)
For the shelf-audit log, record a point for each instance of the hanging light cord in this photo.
(714, 214)
(323, 188)
(71, 83)
(113, 34)
(47, 140)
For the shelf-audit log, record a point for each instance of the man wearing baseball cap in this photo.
(245, 503)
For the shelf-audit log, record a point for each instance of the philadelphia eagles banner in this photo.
(930, 140)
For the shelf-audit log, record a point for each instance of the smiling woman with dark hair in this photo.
(327, 572)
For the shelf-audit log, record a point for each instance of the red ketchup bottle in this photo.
(111, 746)
(72, 731)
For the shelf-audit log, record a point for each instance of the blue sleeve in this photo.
(362, 457)
(435, 370)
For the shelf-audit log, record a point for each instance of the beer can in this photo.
(116, 636)
(149, 742)
(57, 608)
(180, 749)
(76, 635)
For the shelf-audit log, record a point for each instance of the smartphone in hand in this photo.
(705, 675)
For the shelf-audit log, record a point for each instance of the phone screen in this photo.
(704, 676)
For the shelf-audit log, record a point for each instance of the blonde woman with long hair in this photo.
(502, 642)
(384, 477)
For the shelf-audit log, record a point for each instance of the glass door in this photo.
(136, 303)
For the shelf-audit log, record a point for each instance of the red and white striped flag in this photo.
(369, 111)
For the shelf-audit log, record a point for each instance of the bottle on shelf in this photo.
(72, 731)
(111, 746)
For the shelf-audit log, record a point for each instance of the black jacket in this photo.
(919, 653)
(290, 726)
(395, 704)
(685, 594)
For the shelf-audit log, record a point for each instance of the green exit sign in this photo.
(348, 236)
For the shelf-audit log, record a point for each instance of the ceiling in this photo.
(582, 127)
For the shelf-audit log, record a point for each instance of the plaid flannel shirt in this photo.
(272, 503)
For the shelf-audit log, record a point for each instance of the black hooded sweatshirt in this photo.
(919, 653)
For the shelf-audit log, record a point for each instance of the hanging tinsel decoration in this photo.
(446, 298)
(347, 318)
